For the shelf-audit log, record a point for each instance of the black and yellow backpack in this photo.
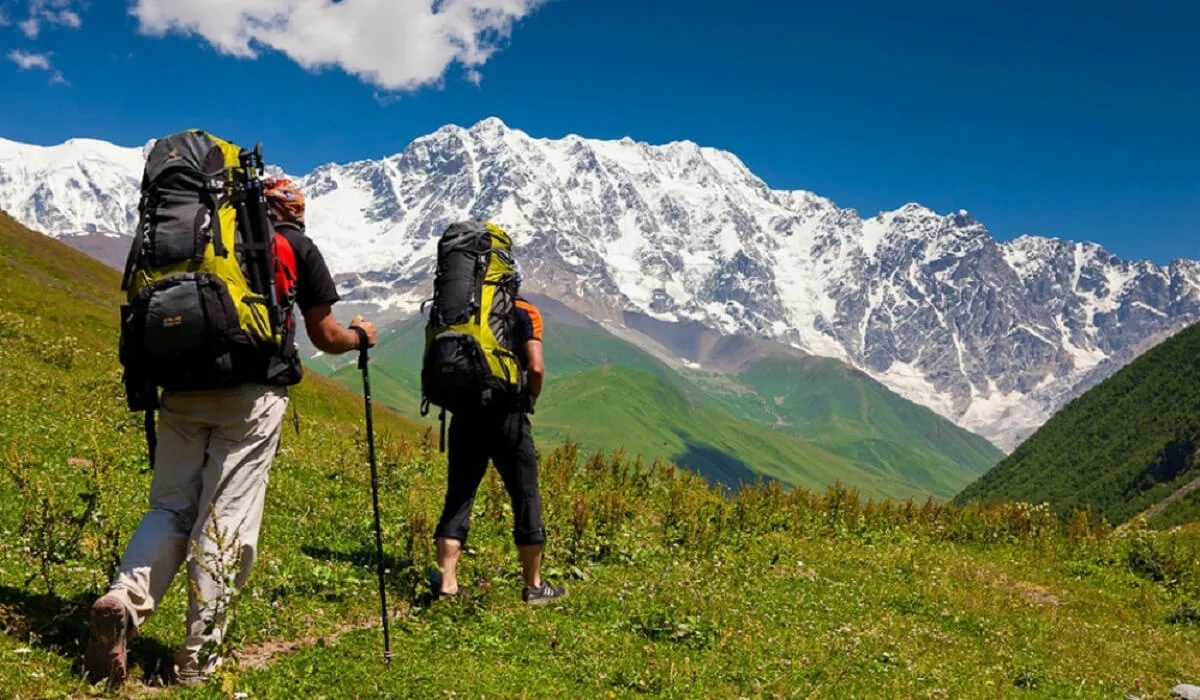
(468, 362)
(202, 309)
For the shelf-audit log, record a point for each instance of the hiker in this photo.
(215, 446)
(496, 426)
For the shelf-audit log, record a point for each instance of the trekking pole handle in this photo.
(363, 346)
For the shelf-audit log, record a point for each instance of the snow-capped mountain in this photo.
(83, 186)
(996, 336)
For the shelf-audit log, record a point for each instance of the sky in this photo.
(1067, 119)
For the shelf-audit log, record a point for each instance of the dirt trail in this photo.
(253, 656)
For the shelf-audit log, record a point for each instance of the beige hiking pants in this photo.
(206, 503)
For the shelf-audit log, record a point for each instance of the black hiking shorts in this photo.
(506, 439)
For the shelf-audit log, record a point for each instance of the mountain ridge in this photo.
(993, 335)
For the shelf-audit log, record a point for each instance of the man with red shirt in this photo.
(212, 461)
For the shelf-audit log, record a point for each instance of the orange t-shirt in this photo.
(529, 323)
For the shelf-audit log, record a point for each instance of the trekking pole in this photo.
(362, 365)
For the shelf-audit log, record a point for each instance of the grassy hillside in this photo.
(676, 590)
(1120, 448)
(656, 418)
(395, 363)
(73, 476)
(849, 413)
(806, 420)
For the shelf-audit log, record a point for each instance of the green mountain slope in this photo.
(612, 407)
(844, 410)
(1120, 448)
(801, 406)
(395, 363)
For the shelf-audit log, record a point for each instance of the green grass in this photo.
(806, 421)
(806, 617)
(1118, 449)
(675, 589)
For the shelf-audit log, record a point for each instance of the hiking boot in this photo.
(543, 593)
(189, 671)
(191, 677)
(107, 629)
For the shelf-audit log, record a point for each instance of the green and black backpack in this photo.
(469, 363)
(202, 309)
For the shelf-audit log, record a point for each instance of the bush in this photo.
(1186, 613)
(53, 520)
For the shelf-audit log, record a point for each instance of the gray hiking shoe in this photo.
(191, 677)
(537, 595)
(189, 671)
(108, 627)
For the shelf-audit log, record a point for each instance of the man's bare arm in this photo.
(537, 367)
(332, 337)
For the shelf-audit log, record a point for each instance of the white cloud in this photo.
(393, 44)
(49, 12)
(69, 18)
(27, 60)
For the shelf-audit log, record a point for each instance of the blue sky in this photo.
(1080, 120)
